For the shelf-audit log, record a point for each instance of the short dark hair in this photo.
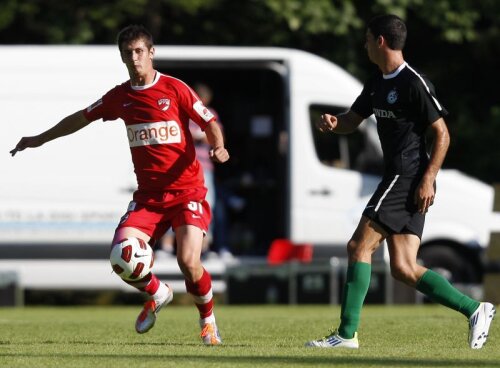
(391, 27)
(132, 33)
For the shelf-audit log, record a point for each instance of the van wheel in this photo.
(449, 263)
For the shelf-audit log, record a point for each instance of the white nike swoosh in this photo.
(127, 104)
(195, 216)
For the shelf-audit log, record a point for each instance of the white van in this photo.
(64, 200)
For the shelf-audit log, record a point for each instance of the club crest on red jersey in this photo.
(164, 104)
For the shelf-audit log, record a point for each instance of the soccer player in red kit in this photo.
(156, 109)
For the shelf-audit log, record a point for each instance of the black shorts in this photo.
(393, 207)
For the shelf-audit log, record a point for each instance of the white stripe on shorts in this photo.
(386, 192)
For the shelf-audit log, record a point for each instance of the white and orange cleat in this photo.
(209, 332)
(147, 318)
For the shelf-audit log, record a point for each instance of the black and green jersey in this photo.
(404, 104)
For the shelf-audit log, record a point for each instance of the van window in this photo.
(356, 151)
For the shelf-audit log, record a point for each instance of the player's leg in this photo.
(210, 198)
(365, 240)
(160, 294)
(197, 279)
(403, 250)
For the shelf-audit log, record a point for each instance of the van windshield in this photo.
(359, 151)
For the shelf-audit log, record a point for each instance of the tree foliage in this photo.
(455, 42)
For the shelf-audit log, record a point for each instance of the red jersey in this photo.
(157, 118)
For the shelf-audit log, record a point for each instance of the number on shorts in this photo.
(195, 207)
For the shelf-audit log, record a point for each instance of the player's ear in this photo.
(151, 52)
(122, 53)
(380, 41)
(122, 56)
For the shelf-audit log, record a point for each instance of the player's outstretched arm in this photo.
(344, 123)
(215, 138)
(68, 125)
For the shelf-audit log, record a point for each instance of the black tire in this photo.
(451, 264)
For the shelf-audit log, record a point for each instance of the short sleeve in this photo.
(363, 103)
(103, 108)
(190, 102)
(423, 98)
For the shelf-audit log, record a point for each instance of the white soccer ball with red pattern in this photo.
(131, 259)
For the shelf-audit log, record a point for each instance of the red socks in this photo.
(150, 284)
(201, 292)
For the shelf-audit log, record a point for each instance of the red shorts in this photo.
(180, 207)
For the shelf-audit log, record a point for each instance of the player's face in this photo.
(371, 46)
(137, 57)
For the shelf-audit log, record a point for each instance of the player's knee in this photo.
(188, 263)
(192, 272)
(404, 273)
(359, 251)
(352, 247)
(398, 273)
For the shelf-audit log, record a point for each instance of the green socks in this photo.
(439, 290)
(432, 284)
(355, 289)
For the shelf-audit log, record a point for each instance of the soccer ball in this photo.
(131, 259)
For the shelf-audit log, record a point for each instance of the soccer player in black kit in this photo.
(406, 108)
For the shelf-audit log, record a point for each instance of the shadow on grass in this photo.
(260, 360)
(121, 343)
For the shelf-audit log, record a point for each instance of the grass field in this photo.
(254, 336)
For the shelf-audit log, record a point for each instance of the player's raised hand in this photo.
(27, 142)
(219, 154)
(327, 123)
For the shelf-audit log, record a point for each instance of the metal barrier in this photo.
(309, 283)
(242, 281)
(10, 292)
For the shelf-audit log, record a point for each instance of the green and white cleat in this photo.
(334, 340)
(479, 325)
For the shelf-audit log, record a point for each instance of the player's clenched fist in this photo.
(327, 123)
(219, 154)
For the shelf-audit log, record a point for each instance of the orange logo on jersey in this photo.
(162, 132)
(164, 103)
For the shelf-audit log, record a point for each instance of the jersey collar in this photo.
(396, 72)
(146, 86)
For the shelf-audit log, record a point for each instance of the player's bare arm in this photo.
(66, 126)
(344, 123)
(424, 196)
(215, 138)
